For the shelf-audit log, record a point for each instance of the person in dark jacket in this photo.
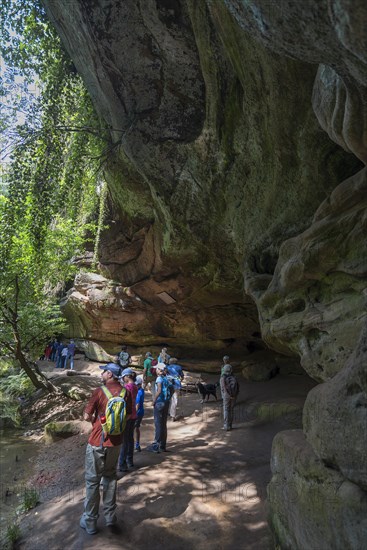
(229, 388)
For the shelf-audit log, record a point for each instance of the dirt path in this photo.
(209, 491)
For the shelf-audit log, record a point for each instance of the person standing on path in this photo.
(139, 404)
(164, 357)
(126, 459)
(160, 406)
(147, 373)
(64, 355)
(225, 362)
(55, 345)
(124, 357)
(102, 453)
(59, 357)
(70, 355)
(229, 388)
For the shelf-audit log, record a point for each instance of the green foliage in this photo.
(30, 499)
(16, 385)
(13, 533)
(53, 154)
(28, 316)
(9, 409)
(55, 147)
(7, 364)
(13, 384)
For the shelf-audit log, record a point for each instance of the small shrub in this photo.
(30, 499)
(17, 384)
(12, 535)
(7, 366)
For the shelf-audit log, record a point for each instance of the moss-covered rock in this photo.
(60, 430)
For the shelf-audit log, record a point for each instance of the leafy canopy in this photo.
(53, 147)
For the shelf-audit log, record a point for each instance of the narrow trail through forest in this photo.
(209, 491)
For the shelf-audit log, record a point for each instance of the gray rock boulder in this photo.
(335, 418)
(312, 505)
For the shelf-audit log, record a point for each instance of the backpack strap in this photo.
(109, 395)
(107, 392)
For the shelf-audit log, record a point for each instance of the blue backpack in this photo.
(167, 389)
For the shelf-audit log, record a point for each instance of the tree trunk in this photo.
(37, 378)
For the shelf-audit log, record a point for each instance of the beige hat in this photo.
(160, 366)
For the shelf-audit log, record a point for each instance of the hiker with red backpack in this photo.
(230, 389)
(108, 409)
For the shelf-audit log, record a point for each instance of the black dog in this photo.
(205, 390)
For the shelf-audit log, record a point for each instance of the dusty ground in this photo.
(209, 491)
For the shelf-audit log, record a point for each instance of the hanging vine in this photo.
(100, 224)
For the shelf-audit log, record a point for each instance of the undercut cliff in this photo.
(237, 206)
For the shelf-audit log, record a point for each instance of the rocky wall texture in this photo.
(238, 138)
(317, 494)
(312, 505)
(218, 158)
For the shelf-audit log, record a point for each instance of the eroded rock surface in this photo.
(220, 158)
(238, 132)
(312, 505)
(335, 418)
(314, 303)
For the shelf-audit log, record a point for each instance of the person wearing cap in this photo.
(225, 362)
(229, 388)
(161, 402)
(126, 459)
(139, 404)
(102, 453)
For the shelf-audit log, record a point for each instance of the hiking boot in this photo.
(90, 529)
(111, 521)
(130, 465)
(138, 448)
(153, 448)
(123, 467)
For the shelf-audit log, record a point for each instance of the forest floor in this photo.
(209, 491)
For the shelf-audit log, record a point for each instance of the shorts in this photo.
(138, 421)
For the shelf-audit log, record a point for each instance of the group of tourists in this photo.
(116, 410)
(61, 353)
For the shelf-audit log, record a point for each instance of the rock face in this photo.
(317, 494)
(238, 132)
(313, 304)
(218, 159)
(312, 505)
(335, 418)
